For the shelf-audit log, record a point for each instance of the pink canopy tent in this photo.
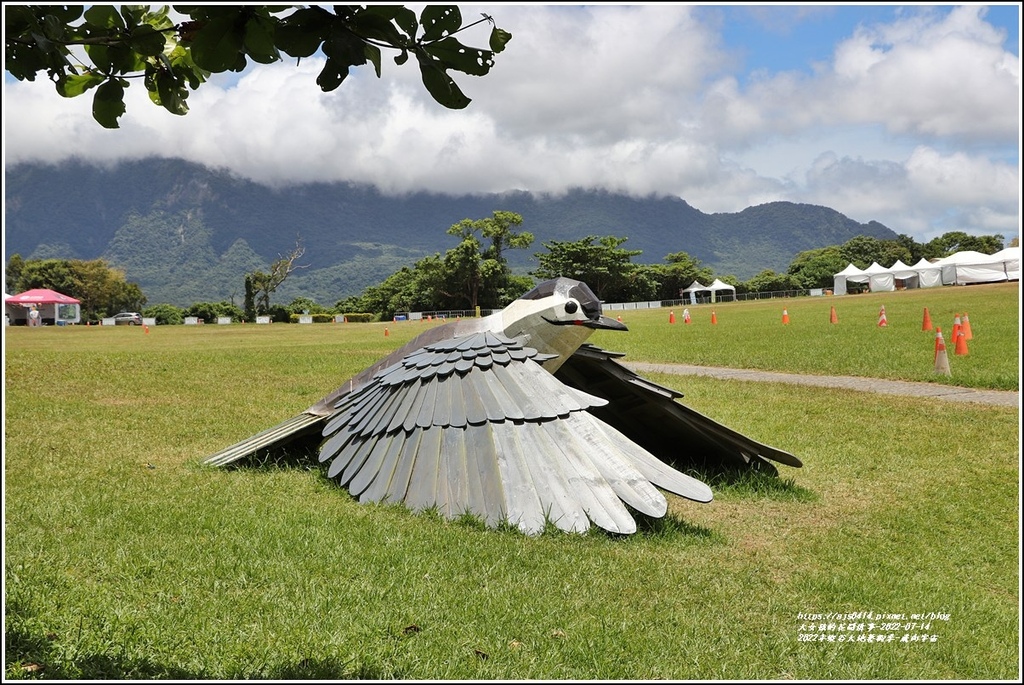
(54, 307)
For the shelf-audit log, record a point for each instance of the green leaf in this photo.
(499, 39)
(104, 16)
(217, 45)
(439, 21)
(376, 27)
(172, 93)
(454, 55)
(332, 75)
(134, 14)
(108, 103)
(406, 20)
(300, 34)
(100, 56)
(440, 86)
(76, 84)
(372, 53)
(146, 40)
(343, 45)
(259, 40)
(124, 60)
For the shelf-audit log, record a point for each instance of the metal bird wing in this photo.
(649, 415)
(474, 424)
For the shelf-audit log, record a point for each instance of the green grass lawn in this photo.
(126, 558)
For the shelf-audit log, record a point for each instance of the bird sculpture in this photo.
(515, 418)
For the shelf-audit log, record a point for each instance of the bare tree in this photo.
(264, 284)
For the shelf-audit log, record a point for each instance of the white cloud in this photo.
(910, 123)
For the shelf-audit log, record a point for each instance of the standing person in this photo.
(33, 317)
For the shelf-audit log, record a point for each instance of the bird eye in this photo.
(571, 307)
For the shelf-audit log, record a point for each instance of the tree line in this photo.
(474, 275)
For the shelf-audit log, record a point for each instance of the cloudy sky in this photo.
(908, 115)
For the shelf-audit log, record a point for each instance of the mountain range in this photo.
(187, 233)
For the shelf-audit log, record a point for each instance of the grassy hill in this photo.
(187, 233)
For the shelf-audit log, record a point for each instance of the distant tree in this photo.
(12, 274)
(249, 303)
(604, 266)
(481, 276)
(769, 281)
(817, 268)
(862, 250)
(304, 305)
(101, 289)
(211, 311)
(264, 284)
(101, 47)
(958, 241)
(916, 249)
(680, 271)
(407, 290)
(165, 314)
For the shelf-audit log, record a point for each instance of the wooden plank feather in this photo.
(559, 496)
(425, 417)
(370, 465)
(410, 392)
(480, 443)
(399, 485)
(522, 505)
(656, 471)
(587, 485)
(453, 447)
(370, 486)
(614, 465)
(457, 402)
(422, 492)
(480, 389)
(518, 396)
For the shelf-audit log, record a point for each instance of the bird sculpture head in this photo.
(555, 318)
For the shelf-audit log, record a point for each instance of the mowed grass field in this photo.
(126, 558)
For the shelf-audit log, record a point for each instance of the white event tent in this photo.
(719, 286)
(960, 268)
(975, 267)
(880, 279)
(693, 289)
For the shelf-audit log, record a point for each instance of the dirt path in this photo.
(952, 393)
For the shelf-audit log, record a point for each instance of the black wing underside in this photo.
(476, 425)
(649, 415)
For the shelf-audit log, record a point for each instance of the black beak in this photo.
(605, 323)
(602, 323)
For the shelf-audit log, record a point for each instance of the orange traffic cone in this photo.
(926, 325)
(671, 317)
(957, 326)
(882, 321)
(619, 318)
(686, 316)
(714, 318)
(941, 359)
(785, 316)
(966, 324)
(832, 318)
(961, 343)
(146, 329)
(386, 332)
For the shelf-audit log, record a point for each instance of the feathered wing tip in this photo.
(476, 425)
(649, 414)
(275, 436)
